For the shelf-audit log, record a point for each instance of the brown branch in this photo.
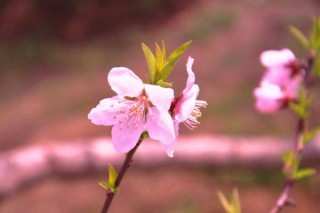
(283, 199)
(126, 164)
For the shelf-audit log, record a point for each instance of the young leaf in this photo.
(112, 175)
(164, 84)
(104, 185)
(308, 136)
(315, 34)
(164, 54)
(151, 61)
(316, 65)
(236, 201)
(307, 172)
(159, 61)
(172, 60)
(299, 35)
(224, 202)
(234, 205)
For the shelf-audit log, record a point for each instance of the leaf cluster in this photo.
(110, 186)
(160, 66)
(311, 43)
(232, 206)
(292, 167)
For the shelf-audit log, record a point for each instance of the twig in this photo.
(283, 199)
(126, 164)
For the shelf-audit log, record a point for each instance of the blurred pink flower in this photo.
(186, 107)
(280, 84)
(138, 107)
(281, 66)
(268, 97)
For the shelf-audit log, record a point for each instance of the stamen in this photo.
(135, 113)
(192, 122)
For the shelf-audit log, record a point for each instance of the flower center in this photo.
(135, 111)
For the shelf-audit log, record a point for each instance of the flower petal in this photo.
(159, 96)
(125, 138)
(170, 150)
(160, 126)
(268, 97)
(292, 88)
(191, 76)
(124, 82)
(273, 58)
(105, 113)
(278, 75)
(185, 106)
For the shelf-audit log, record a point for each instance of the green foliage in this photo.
(301, 108)
(292, 164)
(299, 35)
(232, 206)
(151, 61)
(112, 179)
(315, 45)
(309, 135)
(312, 43)
(306, 172)
(159, 65)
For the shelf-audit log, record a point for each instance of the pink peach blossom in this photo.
(136, 108)
(269, 97)
(186, 108)
(281, 81)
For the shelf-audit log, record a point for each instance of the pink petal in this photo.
(292, 88)
(185, 106)
(278, 75)
(159, 96)
(170, 150)
(105, 113)
(125, 138)
(268, 97)
(191, 77)
(273, 58)
(160, 126)
(124, 82)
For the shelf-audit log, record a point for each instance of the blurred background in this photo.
(54, 60)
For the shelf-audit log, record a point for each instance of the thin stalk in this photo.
(283, 199)
(126, 164)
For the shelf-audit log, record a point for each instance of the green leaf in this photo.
(308, 136)
(301, 108)
(295, 166)
(159, 61)
(164, 54)
(315, 34)
(236, 201)
(224, 202)
(288, 157)
(172, 60)
(299, 35)
(303, 173)
(104, 185)
(112, 175)
(316, 65)
(151, 61)
(164, 84)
